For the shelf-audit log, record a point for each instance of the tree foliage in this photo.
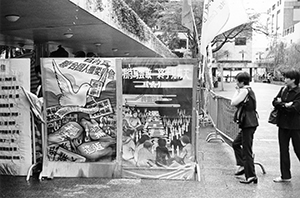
(167, 15)
(147, 10)
(170, 25)
(284, 56)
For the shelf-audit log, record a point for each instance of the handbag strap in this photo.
(281, 91)
(246, 99)
(254, 100)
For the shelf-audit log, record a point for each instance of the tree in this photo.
(147, 10)
(167, 15)
(283, 56)
(170, 24)
(245, 29)
(293, 56)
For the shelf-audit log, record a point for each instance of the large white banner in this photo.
(238, 15)
(220, 16)
(215, 16)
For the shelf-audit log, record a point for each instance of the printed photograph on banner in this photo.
(80, 100)
(157, 118)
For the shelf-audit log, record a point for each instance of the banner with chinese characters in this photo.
(80, 114)
(158, 130)
(15, 129)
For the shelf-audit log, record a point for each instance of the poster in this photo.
(157, 118)
(80, 110)
(15, 131)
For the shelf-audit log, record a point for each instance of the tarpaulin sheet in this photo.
(186, 172)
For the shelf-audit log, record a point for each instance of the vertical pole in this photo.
(119, 94)
(195, 126)
(222, 76)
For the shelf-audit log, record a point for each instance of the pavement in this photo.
(217, 166)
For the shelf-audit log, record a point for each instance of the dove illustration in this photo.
(69, 96)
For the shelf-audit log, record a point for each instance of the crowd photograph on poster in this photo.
(157, 117)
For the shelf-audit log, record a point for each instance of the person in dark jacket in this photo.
(287, 101)
(248, 122)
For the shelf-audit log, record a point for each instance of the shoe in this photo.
(240, 171)
(279, 179)
(249, 180)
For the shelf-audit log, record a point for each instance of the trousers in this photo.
(284, 137)
(242, 146)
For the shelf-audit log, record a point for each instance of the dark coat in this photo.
(288, 117)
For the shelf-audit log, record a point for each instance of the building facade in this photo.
(283, 20)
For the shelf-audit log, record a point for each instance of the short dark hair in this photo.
(80, 54)
(243, 77)
(143, 138)
(161, 142)
(185, 139)
(60, 52)
(147, 144)
(292, 74)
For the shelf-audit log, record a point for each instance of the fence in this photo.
(221, 115)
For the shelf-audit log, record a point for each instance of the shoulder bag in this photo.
(239, 115)
(273, 114)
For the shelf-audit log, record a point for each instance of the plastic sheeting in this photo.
(186, 172)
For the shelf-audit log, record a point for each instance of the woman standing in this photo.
(287, 102)
(248, 122)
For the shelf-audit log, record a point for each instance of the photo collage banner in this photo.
(157, 116)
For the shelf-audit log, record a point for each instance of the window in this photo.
(272, 23)
(182, 43)
(277, 18)
(273, 7)
(240, 41)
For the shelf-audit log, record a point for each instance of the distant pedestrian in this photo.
(248, 122)
(80, 54)
(287, 102)
(60, 52)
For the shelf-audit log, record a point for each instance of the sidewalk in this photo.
(217, 166)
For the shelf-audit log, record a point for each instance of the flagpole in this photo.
(198, 42)
(195, 28)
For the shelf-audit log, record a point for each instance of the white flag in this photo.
(215, 16)
(238, 15)
(220, 16)
(187, 15)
